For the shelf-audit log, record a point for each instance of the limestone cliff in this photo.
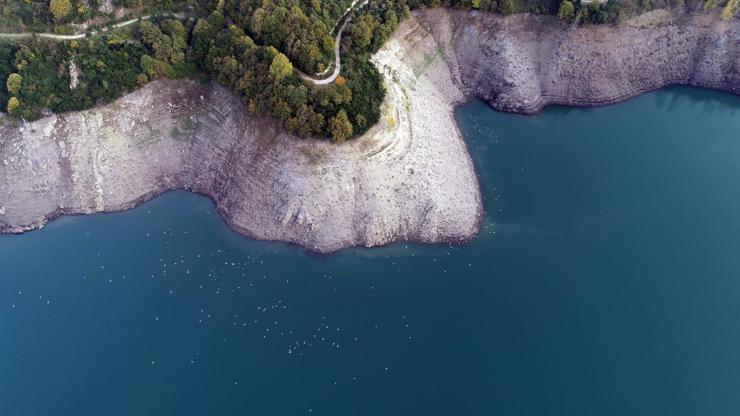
(409, 178)
(523, 63)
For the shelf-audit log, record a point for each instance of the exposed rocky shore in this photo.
(410, 178)
(523, 63)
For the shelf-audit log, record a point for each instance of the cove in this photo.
(604, 281)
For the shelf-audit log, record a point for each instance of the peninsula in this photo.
(407, 178)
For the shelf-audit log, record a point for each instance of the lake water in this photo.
(605, 281)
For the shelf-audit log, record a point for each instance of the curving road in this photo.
(318, 80)
(337, 45)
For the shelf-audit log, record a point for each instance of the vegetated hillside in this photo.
(254, 47)
(250, 46)
(51, 15)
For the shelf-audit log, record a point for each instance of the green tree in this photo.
(60, 9)
(567, 11)
(507, 7)
(280, 67)
(362, 31)
(151, 67)
(14, 83)
(340, 127)
(307, 122)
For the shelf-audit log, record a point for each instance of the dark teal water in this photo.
(606, 281)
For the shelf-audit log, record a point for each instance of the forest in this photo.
(256, 48)
(61, 15)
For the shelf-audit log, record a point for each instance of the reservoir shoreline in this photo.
(524, 63)
(410, 178)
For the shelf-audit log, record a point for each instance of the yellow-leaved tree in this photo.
(13, 104)
(340, 127)
(14, 83)
(730, 9)
(280, 67)
(60, 9)
(567, 11)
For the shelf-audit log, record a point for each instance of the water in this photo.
(606, 281)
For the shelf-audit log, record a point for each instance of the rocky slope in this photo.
(523, 63)
(409, 178)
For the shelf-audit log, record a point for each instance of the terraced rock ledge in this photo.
(523, 63)
(408, 179)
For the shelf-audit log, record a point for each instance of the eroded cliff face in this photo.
(523, 63)
(409, 178)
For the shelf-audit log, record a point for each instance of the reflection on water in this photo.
(698, 101)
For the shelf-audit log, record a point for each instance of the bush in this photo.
(567, 11)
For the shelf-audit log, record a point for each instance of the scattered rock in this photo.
(106, 6)
(74, 75)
